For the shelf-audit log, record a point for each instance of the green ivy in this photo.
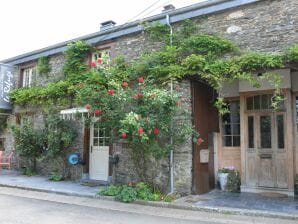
(43, 65)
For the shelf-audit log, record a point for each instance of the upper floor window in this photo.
(100, 58)
(261, 102)
(231, 125)
(28, 74)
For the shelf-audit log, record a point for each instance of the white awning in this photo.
(70, 114)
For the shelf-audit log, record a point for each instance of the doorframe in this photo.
(91, 133)
(289, 138)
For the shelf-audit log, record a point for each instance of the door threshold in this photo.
(265, 190)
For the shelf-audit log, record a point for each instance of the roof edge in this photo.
(188, 12)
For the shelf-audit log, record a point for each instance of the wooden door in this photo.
(205, 122)
(99, 153)
(266, 154)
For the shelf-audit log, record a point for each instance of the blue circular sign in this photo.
(73, 158)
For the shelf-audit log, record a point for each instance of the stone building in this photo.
(261, 144)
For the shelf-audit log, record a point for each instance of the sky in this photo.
(27, 25)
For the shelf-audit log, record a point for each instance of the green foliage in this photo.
(111, 190)
(157, 32)
(27, 171)
(60, 135)
(131, 193)
(233, 182)
(3, 122)
(43, 65)
(29, 142)
(75, 56)
(56, 176)
(291, 54)
(127, 194)
(207, 45)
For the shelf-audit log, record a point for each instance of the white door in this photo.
(99, 153)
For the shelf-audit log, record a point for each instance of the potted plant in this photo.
(222, 175)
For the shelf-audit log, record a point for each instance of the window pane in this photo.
(236, 140)
(95, 141)
(226, 118)
(265, 129)
(265, 102)
(249, 103)
(227, 130)
(234, 110)
(236, 129)
(250, 132)
(257, 102)
(227, 140)
(280, 131)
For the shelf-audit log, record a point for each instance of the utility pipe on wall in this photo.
(171, 139)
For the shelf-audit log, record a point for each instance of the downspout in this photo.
(171, 139)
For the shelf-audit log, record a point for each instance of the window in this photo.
(261, 102)
(28, 74)
(265, 131)
(231, 125)
(100, 136)
(251, 132)
(100, 58)
(280, 131)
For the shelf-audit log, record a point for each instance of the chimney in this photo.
(168, 8)
(107, 25)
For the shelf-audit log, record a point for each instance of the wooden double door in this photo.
(266, 151)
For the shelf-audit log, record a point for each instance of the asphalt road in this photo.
(27, 207)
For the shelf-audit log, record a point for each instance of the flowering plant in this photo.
(227, 169)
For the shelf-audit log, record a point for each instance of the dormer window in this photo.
(28, 74)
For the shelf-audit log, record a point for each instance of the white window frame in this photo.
(27, 77)
(104, 55)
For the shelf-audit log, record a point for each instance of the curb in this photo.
(222, 210)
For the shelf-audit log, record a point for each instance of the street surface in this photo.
(28, 207)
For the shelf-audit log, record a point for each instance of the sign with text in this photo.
(6, 85)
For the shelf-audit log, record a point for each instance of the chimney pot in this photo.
(168, 8)
(107, 25)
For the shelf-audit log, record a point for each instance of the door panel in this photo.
(99, 154)
(266, 160)
(266, 173)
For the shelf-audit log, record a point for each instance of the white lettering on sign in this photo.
(7, 85)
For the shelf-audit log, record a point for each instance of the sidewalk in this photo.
(273, 206)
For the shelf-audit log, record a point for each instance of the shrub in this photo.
(234, 181)
(111, 190)
(55, 176)
(127, 194)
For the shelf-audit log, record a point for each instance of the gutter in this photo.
(196, 10)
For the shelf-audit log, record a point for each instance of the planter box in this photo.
(222, 178)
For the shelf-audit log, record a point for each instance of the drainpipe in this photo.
(171, 139)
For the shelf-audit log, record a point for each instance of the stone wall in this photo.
(268, 26)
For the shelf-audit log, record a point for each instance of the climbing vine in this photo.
(43, 65)
(133, 99)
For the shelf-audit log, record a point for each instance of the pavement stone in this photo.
(214, 201)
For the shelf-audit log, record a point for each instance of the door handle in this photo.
(91, 148)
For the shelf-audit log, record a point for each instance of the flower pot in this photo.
(223, 178)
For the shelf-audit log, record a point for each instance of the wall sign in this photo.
(6, 85)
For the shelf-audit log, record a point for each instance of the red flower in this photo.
(141, 79)
(123, 135)
(140, 130)
(139, 95)
(156, 131)
(99, 61)
(88, 106)
(111, 91)
(200, 141)
(98, 112)
(93, 64)
(125, 84)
